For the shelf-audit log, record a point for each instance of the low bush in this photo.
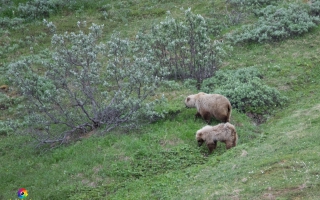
(4, 101)
(245, 90)
(252, 3)
(13, 23)
(277, 23)
(315, 8)
(38, 9)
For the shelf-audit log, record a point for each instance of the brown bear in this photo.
(210, 105)
(224, 132)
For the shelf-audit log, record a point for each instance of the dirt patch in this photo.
(244, 153)
(167, 142)
(96, 169)
(304, 118)
(124, 158)
(88, 134)
(284, 87)
(275, 194)
(88, 183)
(77, 135)
(257, 118)
(311, 112)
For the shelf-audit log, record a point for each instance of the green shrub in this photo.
(7, 8)
(223, 76)
(5, 104)
(4, 101)
(72, 90)
(39, 9)
(36, 9)
(315, 8)
(184, 47)
(5, 129)
(119, 11)
(276, 23)
(253, 3)
(14, 23)
(190, 84)
(245, 90)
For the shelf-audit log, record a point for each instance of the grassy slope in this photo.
(283, 162)
(279, 159)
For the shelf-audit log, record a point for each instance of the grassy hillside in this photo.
(279, 159)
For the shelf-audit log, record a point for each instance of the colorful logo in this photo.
(22, 193)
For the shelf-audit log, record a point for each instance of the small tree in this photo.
(80, 89)
(185, 48)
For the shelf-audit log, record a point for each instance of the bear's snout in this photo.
(200, 142)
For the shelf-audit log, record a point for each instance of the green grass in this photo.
(276, 160)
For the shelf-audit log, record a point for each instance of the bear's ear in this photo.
(188, 99)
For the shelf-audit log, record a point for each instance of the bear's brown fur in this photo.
(4, 88)
(224, 132)
(210, 105)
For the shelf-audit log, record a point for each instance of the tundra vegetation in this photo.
(93, 104)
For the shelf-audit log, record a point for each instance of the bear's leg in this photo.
(212, 146)
(229, 144)
(226, 119)
(207, 117)
(197, 115)
(222, 118)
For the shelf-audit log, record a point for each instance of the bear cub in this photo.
(224, 132)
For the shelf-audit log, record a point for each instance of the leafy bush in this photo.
(252, 3)
(185, 48)
(276, 23)
(245, 90)
(119, 11)
(7, 8)
(4, 128)
(75, 91)
(190, 84)
(4, 101)
(235, 15)
(223, 76)
(315, 8)
(36, 9)
(14, 23)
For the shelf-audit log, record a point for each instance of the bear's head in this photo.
(190, 101)
(199, 138)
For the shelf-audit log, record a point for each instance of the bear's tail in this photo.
(233, 133)
(229, 113)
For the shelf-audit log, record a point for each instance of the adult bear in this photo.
(210, 105)
(224, 132)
